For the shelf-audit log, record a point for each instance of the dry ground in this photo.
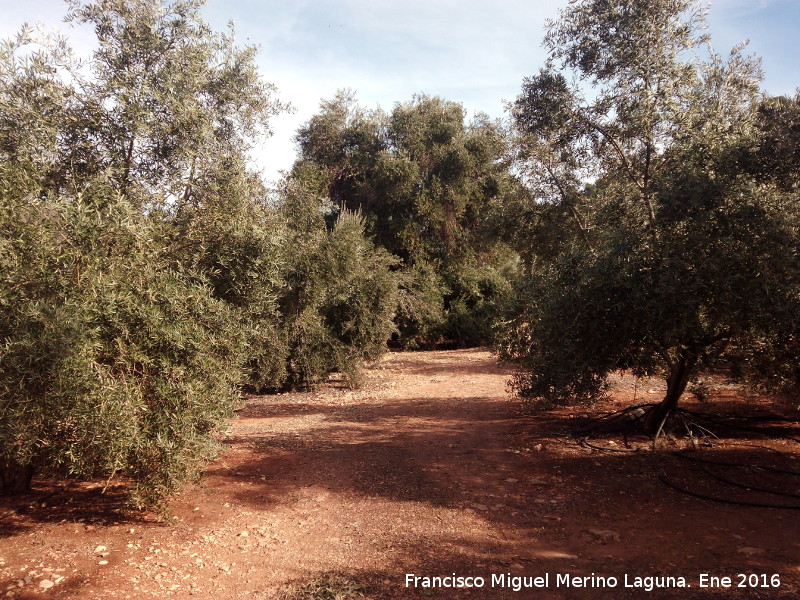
(432, 470)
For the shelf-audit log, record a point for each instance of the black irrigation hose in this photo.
(766, 418)
(586, 442)
(760, 446)
(732, 425)
(762, 418)
(745, 486)
(596, 423)
(683, 490)
(732, 464)
(736, 483)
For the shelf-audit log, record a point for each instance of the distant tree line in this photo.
(429, 187)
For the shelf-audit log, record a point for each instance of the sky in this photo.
(472, 51)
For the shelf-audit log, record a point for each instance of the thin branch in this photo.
(572, 211)
(641, 185)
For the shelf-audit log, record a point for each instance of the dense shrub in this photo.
(146, 275)
(340, 298)
(478, 295)
(682, 254)
(112, 360)
(426, 183)
(458, 307)
(239, 243)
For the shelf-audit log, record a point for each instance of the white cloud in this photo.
(472, 51)
(475, 52)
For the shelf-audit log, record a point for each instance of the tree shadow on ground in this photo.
(370, 411)
(555, 504)
(86, 503)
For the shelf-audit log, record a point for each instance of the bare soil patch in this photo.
(430, 469)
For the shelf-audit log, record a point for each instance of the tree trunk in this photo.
(676, 385)
(14, 477)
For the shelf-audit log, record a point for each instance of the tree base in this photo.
(14, 477)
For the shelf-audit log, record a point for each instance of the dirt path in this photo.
(428, 470)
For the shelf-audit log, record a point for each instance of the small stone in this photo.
(46, 584)
(482, 507)
(554, 554)
(103, 562)
(605, 535)
(244, 534)
(511, 480)
(99, 549)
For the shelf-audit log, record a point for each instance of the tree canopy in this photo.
(146, 274)
(674, 252)
(641, 211)
(427, 184)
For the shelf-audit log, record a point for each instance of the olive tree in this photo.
(664, 250)
(425, 181)
(129, 295)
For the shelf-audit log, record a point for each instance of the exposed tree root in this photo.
(684, 434)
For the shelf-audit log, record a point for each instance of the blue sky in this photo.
(472, 51)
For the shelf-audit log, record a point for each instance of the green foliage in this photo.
(168, 98)
(777, 155)
(239, 243)
(111, 360)
(421, 310)
(478, 294)
(681, 251)
(459, 307)
(426, 184)
(340, 295)
(147, 275)
(139, 267)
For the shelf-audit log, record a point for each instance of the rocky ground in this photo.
(432, 470)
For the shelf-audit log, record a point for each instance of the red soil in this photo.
(431, 469)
